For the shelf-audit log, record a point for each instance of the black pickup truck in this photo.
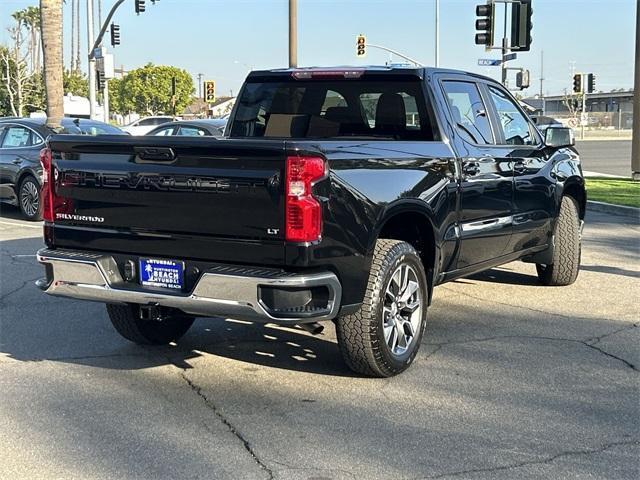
(343, 194)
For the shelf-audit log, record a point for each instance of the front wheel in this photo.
(384, 336)
(566, 249)
(127, 322)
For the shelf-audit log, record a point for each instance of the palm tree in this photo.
(32, 21)
(51, 21)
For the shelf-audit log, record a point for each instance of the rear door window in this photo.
(191, 132)
(468, 111)
(350, 108)
(16, 137)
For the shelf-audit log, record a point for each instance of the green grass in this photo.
(620, 191)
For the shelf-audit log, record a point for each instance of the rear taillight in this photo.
(50, 203)
(46, 193)
(303, 211)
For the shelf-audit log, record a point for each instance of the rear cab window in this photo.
(468, 111)
(334, 109)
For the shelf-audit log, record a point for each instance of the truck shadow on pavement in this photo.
(36, 327)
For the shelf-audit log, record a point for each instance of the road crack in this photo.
(535, 337)
(598, 339)
(6, 295)
(548, 460)
(232, 428)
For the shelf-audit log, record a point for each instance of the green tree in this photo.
(75, 83)
(119, 103)
(147, 90)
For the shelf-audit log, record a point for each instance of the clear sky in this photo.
(222, 39)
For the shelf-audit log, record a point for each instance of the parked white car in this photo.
(144, 125)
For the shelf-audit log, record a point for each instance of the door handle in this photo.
(471, 168)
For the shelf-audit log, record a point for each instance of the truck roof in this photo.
(357, 70)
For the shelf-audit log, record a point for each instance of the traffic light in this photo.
(361, 44)
(100, 80)
(210, 91)
(577, 83)
(484, 24)
(591, 83)
(521, 25)
(115, 34)
(523, 79)
(140, 7)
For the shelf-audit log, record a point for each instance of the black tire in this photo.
(361, 335)
(29, 206)
(566, 252)
(127, 322)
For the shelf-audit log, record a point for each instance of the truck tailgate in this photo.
(197, 198)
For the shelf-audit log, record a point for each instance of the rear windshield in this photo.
(92, 129)
(333, 109)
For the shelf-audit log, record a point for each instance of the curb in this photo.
(613, 209)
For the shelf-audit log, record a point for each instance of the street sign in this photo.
(489, 62)
(584, 119)
(509, 56)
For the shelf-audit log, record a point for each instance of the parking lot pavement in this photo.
(514, 380)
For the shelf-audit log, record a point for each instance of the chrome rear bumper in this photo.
(96, 277)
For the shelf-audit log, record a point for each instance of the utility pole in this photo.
(437, 33)
(92, 62)
(635, 145)
(200, 75)
(541, 81)
(293, 33)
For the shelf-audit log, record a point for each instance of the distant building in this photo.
(613, 109)
(221, 107)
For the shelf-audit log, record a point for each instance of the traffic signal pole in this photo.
(92, 62)
(505, 48)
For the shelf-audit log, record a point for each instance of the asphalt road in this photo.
(612, 157)
(513, 380)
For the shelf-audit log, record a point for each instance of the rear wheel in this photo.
(384, 336)
(127, 322)
(29, 198)
(566, 250)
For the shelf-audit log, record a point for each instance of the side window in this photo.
(160, 121)
(515, 126)
(35, 139)
(191, 132)
(333, 99)
(164, 132)
(147, 122)
(468, 111)
(16, 137)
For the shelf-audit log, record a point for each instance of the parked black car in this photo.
(343, 194)
(21, 140)
(206, 127)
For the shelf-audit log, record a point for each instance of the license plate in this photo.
(155, 272)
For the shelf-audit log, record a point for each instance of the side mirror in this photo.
(559, 137)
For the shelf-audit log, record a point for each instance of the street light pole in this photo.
(437, 33)
(293, 33)
(92, 62)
